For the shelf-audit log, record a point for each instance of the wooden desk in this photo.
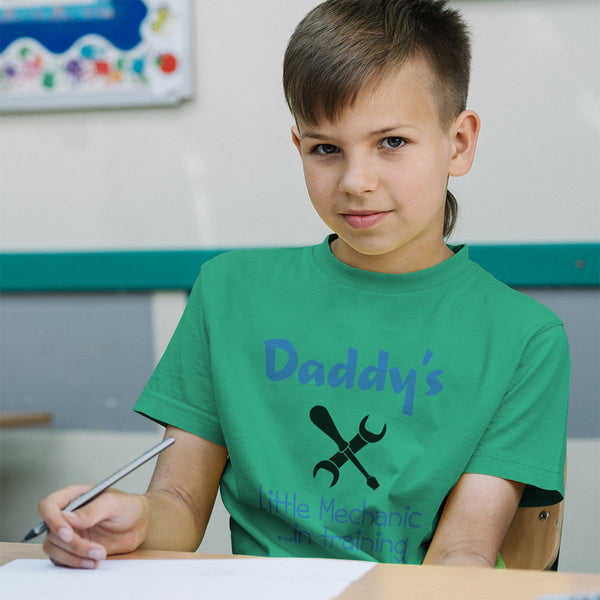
(409, 582)
(24, 419)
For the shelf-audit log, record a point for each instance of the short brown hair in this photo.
(341, 45)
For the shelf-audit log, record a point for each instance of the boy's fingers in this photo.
(108, 524)
(85, 517)
(51, 507)
(72, 556)
(103, 510)
(71, 542)
(60, 499)
(63, 543)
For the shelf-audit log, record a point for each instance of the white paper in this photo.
(236, 579)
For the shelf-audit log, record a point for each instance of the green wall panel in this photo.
(533, 265)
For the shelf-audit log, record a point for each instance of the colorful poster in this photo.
(94, 53)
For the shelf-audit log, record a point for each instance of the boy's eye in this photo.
(325, 149)
(393, 142)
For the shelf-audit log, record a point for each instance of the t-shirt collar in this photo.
(455, 266)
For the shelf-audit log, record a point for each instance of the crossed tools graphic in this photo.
(320, 416)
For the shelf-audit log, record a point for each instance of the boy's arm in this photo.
(475, 519)
(172, 515)
(182, 491)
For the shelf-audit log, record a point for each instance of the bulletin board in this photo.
(66, 54)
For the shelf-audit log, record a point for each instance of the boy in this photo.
(377, 396)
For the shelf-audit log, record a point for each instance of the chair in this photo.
(533, 538)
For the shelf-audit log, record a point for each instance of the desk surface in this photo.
(399, 582)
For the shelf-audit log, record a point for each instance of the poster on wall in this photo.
(65, 54)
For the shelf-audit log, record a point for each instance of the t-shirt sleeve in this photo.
(180, 392)
(526, 439)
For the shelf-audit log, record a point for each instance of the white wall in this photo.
(536, 86)
(220, 171)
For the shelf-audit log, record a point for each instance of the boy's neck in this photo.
(403, 260)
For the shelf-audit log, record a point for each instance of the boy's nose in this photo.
(358, 178)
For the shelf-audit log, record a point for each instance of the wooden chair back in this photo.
(533, 538)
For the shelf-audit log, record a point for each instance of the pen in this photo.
(103, 485)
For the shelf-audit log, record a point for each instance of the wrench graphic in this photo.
(320, 416)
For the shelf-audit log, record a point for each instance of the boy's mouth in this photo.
(364, 219)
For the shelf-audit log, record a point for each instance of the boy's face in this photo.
(377, 175)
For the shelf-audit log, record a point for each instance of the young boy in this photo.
(377, 396)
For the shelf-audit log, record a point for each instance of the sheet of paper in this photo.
(247, 578)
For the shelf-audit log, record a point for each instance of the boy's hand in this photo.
(113, 523)
(172, 515)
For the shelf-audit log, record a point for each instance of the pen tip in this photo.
(30, 535)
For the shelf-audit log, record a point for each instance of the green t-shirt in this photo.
(351, 402)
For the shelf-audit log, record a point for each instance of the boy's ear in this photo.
(464, 131)
(296, 138)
